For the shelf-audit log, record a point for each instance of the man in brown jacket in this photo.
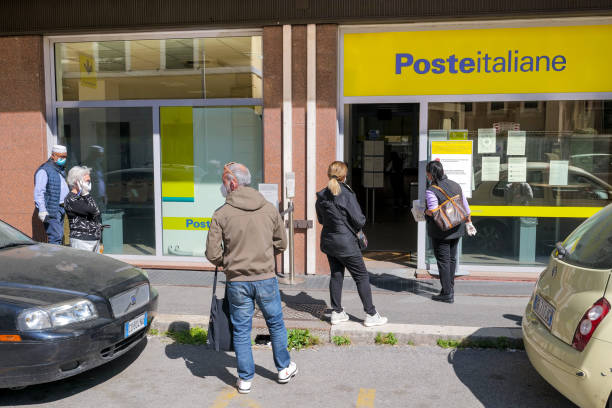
(244, 236)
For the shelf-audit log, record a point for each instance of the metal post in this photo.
(291, 248)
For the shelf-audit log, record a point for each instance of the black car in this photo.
(64, 311)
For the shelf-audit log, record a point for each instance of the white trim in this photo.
(134, 103)
(157, 185)
(287, 124)
(470, 25)
(477, 97)
(156, 258)
(311, 146)
(423, 150)
(154, 35)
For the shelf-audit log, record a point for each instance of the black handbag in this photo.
(220, 325)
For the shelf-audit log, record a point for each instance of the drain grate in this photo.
(300, 311)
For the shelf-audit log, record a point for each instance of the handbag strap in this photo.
(215, 281)
(442, 190)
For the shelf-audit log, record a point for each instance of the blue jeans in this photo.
(54, 227)
(242, 297)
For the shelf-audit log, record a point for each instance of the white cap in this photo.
(59, 149)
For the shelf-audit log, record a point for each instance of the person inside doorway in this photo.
(339, 213)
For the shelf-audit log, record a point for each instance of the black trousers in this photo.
(446, 256)
(359, 273)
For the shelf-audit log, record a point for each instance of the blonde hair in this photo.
(336, 173)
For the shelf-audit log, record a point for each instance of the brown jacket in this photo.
(244, 235)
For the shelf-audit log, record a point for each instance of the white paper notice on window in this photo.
(270, 193)
(490, 168)
(517, 169)
(486, 141)
(516, 142)
(558, 172)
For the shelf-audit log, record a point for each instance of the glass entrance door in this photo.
(383, 163)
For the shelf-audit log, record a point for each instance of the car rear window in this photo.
(590, 245)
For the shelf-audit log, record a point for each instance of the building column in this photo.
(23, 130)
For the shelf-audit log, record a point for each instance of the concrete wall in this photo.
(23, 135)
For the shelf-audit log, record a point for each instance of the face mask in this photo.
(85, 187)
(61, 162)
(223, 190)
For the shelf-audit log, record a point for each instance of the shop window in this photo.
(117, 144)
(192, 68)
(566, 151)
(195, 144)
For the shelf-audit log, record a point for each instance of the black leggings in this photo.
(358, 271)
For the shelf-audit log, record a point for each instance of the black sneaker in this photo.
(443, 298)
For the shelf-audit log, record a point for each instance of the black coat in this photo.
(334, 212)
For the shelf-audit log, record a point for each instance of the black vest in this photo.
(451, 188)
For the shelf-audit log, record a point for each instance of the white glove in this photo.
(471, 230)
(42, 215)
(84, 187)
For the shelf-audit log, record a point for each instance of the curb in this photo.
(359, 334)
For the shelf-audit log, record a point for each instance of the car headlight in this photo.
(62, 314)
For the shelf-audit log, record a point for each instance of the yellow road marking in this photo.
(366, 398)
(249, 403)
(224, 398)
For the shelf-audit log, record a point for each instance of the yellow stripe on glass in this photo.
(529, 211)
(451, 147)
(186, 223)
(479, 61)
(176, 125)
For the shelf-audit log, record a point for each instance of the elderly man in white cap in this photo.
(50, 190)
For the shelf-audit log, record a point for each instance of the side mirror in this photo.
(561, 251)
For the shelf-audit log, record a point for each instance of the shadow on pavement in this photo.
(495, 378)
(303, 303)
(399, 284)
(58, 390)
(203, 363)
(515, 318)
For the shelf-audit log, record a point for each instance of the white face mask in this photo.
(85, 187)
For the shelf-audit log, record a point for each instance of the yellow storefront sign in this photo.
(479, 61)
(532, 211)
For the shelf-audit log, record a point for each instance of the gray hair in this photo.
(241, 173)
(76, 174)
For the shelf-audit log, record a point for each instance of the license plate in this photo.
(134, 325)
(544, 310)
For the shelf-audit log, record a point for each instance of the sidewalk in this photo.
(482, 309)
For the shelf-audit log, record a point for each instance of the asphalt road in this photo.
(165, 374)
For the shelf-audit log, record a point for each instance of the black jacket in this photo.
(83, 217)
(334, 212)
(451, 188)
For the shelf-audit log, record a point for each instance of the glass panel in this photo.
(117, 143)
(567, 150)
(590, 245)
(11, 236)
(195, 144)
(192, 68)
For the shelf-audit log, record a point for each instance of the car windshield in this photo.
(590, 245)
(10, 237)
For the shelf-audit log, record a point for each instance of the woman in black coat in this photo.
(339, 213)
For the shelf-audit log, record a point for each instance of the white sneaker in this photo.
(374, 320)
(244, 387)
(286, 374)
(339, 317)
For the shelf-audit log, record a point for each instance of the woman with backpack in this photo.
(342, 219)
